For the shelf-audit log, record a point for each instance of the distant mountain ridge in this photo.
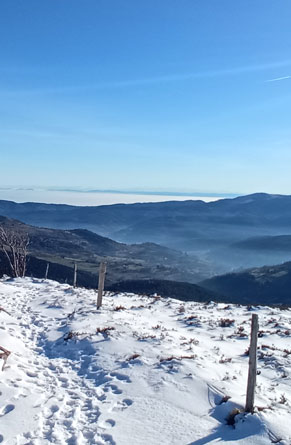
(214, 232)
(128, 222)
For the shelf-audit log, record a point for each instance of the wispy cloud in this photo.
(278, 79)
(168, 78)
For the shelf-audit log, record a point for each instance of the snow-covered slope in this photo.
(140, 371)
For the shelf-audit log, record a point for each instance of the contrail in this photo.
(278, 79)
(163, 79)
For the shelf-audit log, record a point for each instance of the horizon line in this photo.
(120, 191)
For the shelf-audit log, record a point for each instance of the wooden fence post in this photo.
(47, 270)
(75, 274)
(252, 365)
(102, 272)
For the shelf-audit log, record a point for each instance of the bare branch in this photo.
(4, 355)
(14, 245)
(3, 310)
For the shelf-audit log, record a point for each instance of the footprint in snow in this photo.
(108, 439)
(121, 377)
(71, 402)
(113, 388)
(87, 406)
(63, 379)
(67, 423)
(7, 409)
(121, 406)
(127, 402)
(24, 395)
(89, 435)
(52, 367)
(31, 374)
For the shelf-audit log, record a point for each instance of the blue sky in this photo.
(178, 95)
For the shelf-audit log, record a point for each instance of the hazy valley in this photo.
(156, 244)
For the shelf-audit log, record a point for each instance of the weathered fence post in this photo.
(75, 274)
(102, 272)
(252, 365)
(47, 270)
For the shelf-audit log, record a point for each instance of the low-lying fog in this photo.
(94, 198)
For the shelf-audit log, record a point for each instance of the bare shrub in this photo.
(145, 337)
(158, 326)
(4, 354)
(4, 310)
(225, 322)
(283, 399)
(119, 308)
(240, 332)
(190, 341)
(105, 330)
(14, 246)
(230, 420)
(224, 359)
(75, 334)
(224, 400)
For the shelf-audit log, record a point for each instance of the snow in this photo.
(141, 370)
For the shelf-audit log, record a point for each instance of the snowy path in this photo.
(65, 383)
(69, 403)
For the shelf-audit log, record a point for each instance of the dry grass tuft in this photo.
(132, 357)
(225, 322)
(225, 359)
(175, 357)
(230, 420)
(119, 308)
(104, 330)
